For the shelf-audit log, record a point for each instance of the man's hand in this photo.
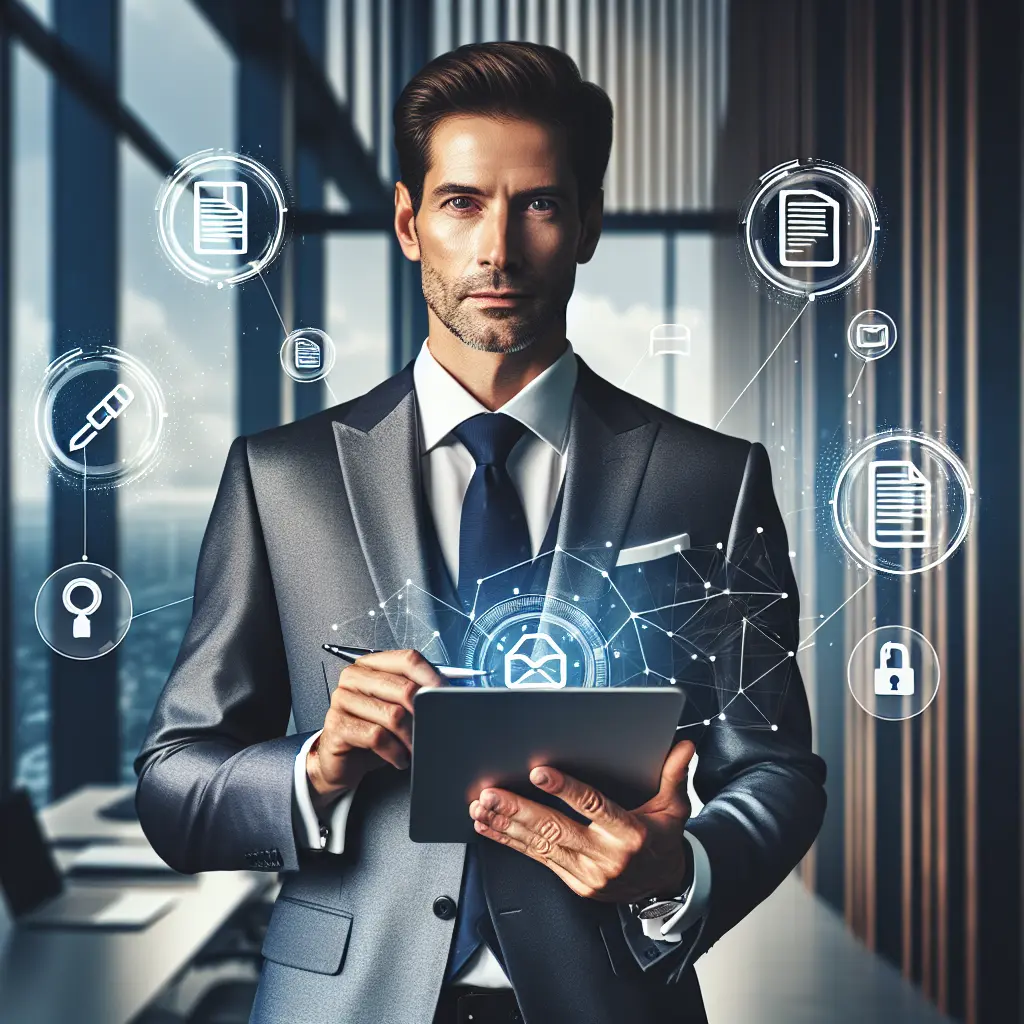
(621, 856)
(369, 722)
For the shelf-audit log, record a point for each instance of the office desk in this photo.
(75, 818)
(51, 976)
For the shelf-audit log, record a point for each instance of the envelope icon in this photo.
(872, 335)
(543, 667)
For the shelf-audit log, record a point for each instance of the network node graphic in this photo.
(810, 228)
(221, 217)
(308, 355)
(871, 334)
(83, 610)
(717, 624)
(531, 642)
(99, 416)
(893, 673)
(902, 503)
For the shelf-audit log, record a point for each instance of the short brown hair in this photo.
(522, 80)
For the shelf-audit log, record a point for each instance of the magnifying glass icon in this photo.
(82, 627)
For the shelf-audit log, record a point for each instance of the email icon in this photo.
(872, 336)
(542, 668)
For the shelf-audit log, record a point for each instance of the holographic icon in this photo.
(83, 610)
(896, 678)
(670, 340)
(544, 667)
(81, 629)
(124, 396)
(220, 217)
(808, 228)
(871, 334)
(307, 355)
(900, 505)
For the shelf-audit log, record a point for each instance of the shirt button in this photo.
(444, 908)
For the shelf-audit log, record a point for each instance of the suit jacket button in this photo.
(445, 907)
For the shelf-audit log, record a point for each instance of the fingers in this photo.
(580, 797)
(580, 887)
(547, 832)
(344, 733)
(410, 664)
(392, 717)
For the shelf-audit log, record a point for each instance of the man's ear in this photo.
(590, 232)
(405, 223)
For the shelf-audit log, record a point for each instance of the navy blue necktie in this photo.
(493, 536)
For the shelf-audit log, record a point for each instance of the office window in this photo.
(620, 298)
(32, 335)
(358, 312)
(178, 75)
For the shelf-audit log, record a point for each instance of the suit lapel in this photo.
(610, 442)
(378, 448)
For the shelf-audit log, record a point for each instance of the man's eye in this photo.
(459, 199)
(550, 205)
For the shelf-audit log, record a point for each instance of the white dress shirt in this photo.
(536, 466)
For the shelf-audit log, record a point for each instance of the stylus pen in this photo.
(448, 671)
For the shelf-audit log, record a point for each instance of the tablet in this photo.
(465, 739)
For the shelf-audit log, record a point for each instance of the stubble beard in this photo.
(473, 328)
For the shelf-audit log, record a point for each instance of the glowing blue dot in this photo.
(693, 657)
(712, 658)
(334, 626)
(604, 573)
(575, 597)
(775, 728)
(607, 543)
(515, 590)
(719, 545)
(647, 671)
(721, 717)
(707, 585)
(760, 529)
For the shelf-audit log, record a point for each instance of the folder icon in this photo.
(542, 668)
(872, 336)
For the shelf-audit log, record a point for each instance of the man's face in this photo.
(499, 213)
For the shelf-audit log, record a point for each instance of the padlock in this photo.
(894, 680)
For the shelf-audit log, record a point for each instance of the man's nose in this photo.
(499, 245)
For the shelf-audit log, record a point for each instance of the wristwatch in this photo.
(655, 910)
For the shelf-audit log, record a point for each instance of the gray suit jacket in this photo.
(319, 523)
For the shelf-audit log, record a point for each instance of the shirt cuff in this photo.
(694, 907)
(315, 833)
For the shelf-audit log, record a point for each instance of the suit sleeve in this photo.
(762, 789)
(215, 772)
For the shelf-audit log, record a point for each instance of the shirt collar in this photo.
(543, 406)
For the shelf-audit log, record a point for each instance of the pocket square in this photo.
(654, 549)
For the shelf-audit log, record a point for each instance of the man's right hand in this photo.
(369, 722)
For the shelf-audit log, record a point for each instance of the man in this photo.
(494, 444)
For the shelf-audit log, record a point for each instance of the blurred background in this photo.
(912, 895)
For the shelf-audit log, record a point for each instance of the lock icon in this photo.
(897, 680)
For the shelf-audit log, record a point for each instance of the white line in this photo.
(170, 604)
(330, 391)
(631, 372)
(284, 327)
(836, 612)
(864, 366)
(85, 507)
(764, 364)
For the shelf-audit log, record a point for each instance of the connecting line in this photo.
(863, 367)
(330, 391)
(272, 302)
(631, 372)
(85, 506)
(170, 604)
(765, 363)
(836, 612)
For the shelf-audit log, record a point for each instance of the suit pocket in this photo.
(307, 935)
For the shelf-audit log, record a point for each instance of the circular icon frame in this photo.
(928, 659)
(291, 354)
(187, 176)
(842, 520)
(873, 318)
(131, 372)
(758, 223)
(51, 621)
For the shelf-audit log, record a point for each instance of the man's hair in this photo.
(525, 81)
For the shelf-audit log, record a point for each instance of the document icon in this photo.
(808, 228)
(900, 500)
(543, 667)
(307, 354)
(220, 218)
(872, 336)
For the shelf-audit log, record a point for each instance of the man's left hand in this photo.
(621, 856)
